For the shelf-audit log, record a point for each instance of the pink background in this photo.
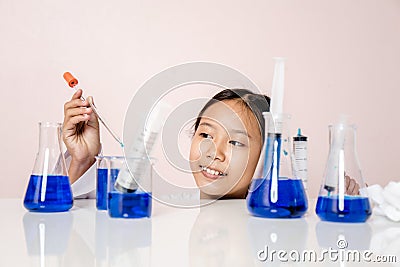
(342, 57)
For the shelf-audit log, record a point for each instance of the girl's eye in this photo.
(205, 135)
(236, 143)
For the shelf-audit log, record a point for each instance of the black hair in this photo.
(256, 103)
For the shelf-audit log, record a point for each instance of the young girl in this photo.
(229, 133)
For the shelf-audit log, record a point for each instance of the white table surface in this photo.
(221, 234)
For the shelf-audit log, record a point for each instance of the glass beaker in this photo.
(133, 203)
(102, 166)
(343, 196)
(275, 192)
(49, 189)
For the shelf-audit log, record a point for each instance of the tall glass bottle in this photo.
(343, 196)
(49, 188)
(275, 191)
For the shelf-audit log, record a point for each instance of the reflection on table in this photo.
(217, 237)
(122, 242)
(220, 234)
(47, 236)
(267, 235)
(354, 235)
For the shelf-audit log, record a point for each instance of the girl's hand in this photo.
(80, 134)
(352, 187)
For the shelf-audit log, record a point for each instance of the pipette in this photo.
(73, 83)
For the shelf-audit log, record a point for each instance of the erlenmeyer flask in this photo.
(49, 189)
(343, 196)
(275, 192)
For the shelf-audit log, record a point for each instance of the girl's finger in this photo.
(357, 189)
(71, 123)
(75, 104)
(77, 111)
(351, 187)
(77, 94)
(347, 181)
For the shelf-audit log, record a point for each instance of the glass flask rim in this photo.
(349, 125)
(152, 159)
(281, 114)
(49, 124)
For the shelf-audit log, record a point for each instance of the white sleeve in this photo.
(85, 186)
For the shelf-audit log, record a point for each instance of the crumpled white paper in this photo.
(386, 200)
(386, 241)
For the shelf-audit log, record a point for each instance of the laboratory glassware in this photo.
(134, 204)
(343, 196)
(300, 156)
(49, 188)
(142, 146)
(275, 191)
(102, 166)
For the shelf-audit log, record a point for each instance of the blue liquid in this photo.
(57, 194)
(101, 190)
(102, 184)
(291, 203)
(129, 205)
(356, 209)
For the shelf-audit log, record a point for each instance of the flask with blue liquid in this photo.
(275, 191)
(49, 189)
(343, 196)
(132, 203)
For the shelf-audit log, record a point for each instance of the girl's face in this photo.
(225, 150)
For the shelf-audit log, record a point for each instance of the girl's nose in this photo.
(216, 151)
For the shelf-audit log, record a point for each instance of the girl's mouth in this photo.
(211, 173)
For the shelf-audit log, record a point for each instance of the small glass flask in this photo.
(343, 196)
(49, 189)
(275, 191)
(133, 203)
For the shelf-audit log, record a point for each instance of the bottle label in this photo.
(300, 153)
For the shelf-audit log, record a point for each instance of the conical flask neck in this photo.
(49, 136)
(342, 136)
(277, 146)
(49, 158)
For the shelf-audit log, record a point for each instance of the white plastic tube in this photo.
(278, 86)
(127, 181)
